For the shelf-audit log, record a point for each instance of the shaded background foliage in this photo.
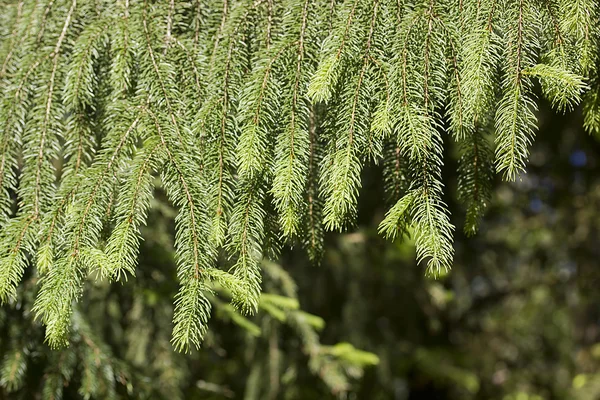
(516, 318)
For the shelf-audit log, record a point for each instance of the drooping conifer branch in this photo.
(259, 118)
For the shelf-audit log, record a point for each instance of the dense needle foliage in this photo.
(258, 117)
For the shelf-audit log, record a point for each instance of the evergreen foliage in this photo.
(259, 117)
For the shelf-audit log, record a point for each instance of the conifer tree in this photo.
(258, 117)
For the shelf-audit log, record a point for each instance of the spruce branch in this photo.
(259, 117)
(132, 208)
(293, 145)
(515, 119)
(341, 179)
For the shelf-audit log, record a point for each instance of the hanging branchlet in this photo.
(351, 141)
(258, 118)
(591, 110)
(312, 232)
(77, 251)
(247, 232)
(131, 210)
(474, 177)
(515, 118)
(292, 148)
(576, 20)
(479, 57)
(418, 89)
